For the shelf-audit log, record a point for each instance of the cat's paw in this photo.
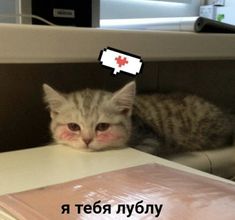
(149, 145)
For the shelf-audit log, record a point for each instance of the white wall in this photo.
(148, 8)
(8, 7)
(229, 11)
(10, 10)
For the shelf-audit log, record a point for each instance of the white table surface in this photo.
(32, 168)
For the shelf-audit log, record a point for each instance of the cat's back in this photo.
(167, 105)
(184, 120)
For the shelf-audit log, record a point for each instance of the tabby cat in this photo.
(158, 124)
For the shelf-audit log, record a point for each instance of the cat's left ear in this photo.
(54, 99)
(124, 98)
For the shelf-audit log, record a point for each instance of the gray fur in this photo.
(158, 124)
(183, 123)
(89, 108)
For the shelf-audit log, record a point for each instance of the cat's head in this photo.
(91, 119)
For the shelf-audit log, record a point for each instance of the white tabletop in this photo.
(32, 168)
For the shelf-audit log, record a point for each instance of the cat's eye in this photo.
(73, 127)
(102, 126)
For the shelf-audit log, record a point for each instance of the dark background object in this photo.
(66, 12)
(24, 119)
(211, 26)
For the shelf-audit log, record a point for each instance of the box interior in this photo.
(25, 120)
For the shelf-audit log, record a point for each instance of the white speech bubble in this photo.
(120, 61)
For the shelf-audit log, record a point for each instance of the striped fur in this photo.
(183, 123)
(158, 124)
(88, 108)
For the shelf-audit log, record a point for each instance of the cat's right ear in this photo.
(53, 99)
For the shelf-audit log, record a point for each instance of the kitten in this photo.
(91, 119)
(158, 124)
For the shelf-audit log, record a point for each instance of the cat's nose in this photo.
(87, 141)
